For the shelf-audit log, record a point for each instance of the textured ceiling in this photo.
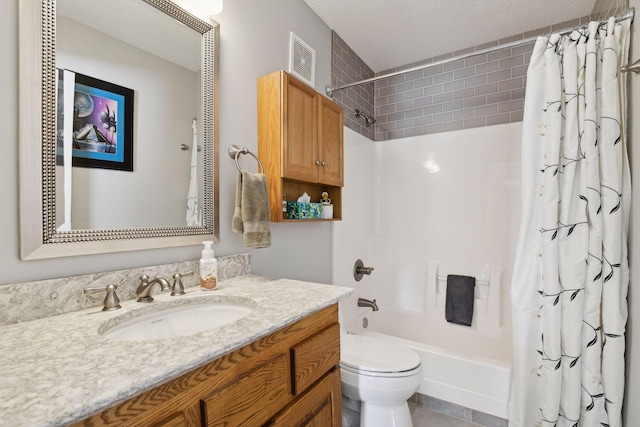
(391, 33)
(138, 24)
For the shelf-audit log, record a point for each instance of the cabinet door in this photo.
(314, 357)
(300, 139)
(330, 143)
(252, 399)
(320, 406)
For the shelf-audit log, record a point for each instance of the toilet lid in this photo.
(365, 353)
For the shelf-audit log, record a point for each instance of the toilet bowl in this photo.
(377, 379)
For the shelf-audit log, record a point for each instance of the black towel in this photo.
(459, 304)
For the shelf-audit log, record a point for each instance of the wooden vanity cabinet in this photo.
(288, 378)
(300, 142)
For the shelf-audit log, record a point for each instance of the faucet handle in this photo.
(111, 300)
(178, 287)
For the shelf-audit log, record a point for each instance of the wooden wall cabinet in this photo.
(300, 142)
(288, 378)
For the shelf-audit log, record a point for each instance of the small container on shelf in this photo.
(327, 207)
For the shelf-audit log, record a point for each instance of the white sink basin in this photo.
(178, 321)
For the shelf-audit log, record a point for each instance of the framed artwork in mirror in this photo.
(100, 116)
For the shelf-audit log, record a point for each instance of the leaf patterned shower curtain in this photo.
(570, 280)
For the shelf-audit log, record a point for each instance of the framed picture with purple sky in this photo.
(102, 131)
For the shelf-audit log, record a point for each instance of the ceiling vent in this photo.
(302, 60)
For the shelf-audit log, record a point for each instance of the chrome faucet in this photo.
(363, 302)
(144, 289)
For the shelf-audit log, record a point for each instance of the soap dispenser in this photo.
(208, 267)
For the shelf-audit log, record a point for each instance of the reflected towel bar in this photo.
(185, 147)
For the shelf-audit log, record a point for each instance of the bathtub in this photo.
(460, 365)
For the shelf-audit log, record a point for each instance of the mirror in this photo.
(110, 165)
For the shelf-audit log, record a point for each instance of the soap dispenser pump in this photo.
(208, 267)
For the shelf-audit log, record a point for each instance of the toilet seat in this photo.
(367, 356)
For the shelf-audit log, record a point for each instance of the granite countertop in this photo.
(59, 370)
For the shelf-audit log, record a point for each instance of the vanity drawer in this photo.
(314, 357)
(252, 399)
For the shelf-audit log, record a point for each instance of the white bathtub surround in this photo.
(423, 207)
(59, 370)
(576, 189)
(20, 302)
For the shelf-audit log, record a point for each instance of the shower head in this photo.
(367, 120)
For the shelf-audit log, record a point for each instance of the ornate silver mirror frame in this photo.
(39, 237)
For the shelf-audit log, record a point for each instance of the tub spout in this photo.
(363, 302)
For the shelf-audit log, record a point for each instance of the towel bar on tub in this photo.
(235, 151)
(478, 282)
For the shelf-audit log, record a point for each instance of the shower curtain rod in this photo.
(629, 14)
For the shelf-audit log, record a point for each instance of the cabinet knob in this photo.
(317, 162)
(324, 163)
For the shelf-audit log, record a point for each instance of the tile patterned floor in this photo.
(423, 417)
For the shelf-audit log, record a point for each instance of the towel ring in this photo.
(234, 153)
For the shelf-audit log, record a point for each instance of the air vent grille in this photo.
(302, 60)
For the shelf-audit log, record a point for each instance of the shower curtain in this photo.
(570, 279)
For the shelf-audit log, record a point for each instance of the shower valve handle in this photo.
(365, 270)
(359, 270)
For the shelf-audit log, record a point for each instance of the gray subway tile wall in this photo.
(479, 91)
(347, 67)
(483, 90)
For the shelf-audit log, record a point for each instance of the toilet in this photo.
(377, 379)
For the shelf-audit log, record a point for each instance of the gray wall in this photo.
(254, 42)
